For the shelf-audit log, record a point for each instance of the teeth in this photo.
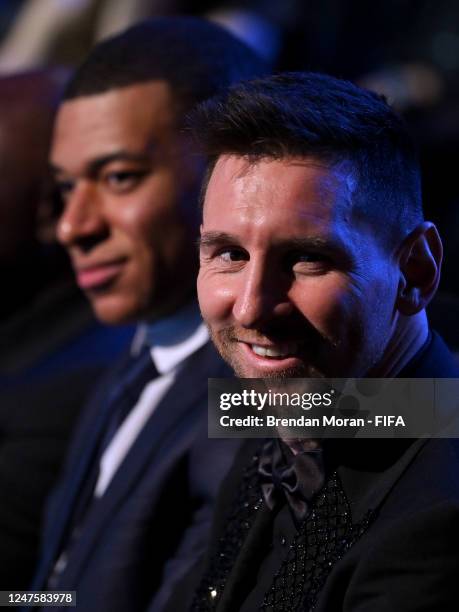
(281, 350)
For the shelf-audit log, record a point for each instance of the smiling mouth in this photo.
(98, 276)
(276, 351)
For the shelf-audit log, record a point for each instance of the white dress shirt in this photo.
(172, 341)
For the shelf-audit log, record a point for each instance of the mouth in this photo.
(275, 351)
(98, 276)
(267, 359)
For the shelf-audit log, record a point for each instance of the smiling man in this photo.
(132, 507)
(128, 222)
(316, 262)
(296, 261)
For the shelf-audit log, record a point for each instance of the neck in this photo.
(409, 336)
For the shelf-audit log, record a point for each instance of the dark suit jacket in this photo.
(402, 556)
(52, 351)
(157, 506)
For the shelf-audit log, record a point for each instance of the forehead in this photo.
(269, 196)
(88, 127)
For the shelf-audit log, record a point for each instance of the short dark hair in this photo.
(316, 115)
(195, 57)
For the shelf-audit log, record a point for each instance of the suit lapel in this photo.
(88, 436)
(169, 430)
(373, 467)
(366, 490)
(249, 556)
(370, 469)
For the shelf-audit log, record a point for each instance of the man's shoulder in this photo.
(435, 360)
(408, 550)
(433, 475)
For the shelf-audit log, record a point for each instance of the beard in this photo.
(227, 344)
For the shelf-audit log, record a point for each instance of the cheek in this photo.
(331, 305)
(151, 229)
(152, 207)
(215, 298)
(141, 220)
(349, 312)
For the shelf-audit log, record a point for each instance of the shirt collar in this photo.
(172, 339)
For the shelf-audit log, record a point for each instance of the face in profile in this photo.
(129, 185)
(292, 283)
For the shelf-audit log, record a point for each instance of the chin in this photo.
(276, 374)
(112, 312)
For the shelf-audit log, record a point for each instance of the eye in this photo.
(231, 255)
(123, 181)
(227, 258)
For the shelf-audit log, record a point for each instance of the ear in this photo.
(421, 254)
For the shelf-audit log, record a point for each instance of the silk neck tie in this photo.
(137, 373)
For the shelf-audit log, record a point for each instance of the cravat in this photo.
(294, 478)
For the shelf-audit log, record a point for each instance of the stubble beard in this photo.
(228, 350)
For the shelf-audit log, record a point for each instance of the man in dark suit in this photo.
(45, 321)
(138, 485)
(316, 262)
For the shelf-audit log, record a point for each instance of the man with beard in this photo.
(138, 486)
(316, 262)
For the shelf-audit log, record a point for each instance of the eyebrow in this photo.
(212, 239)
(95, 165)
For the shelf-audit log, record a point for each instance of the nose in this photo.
(82, 220)
(262, 296)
